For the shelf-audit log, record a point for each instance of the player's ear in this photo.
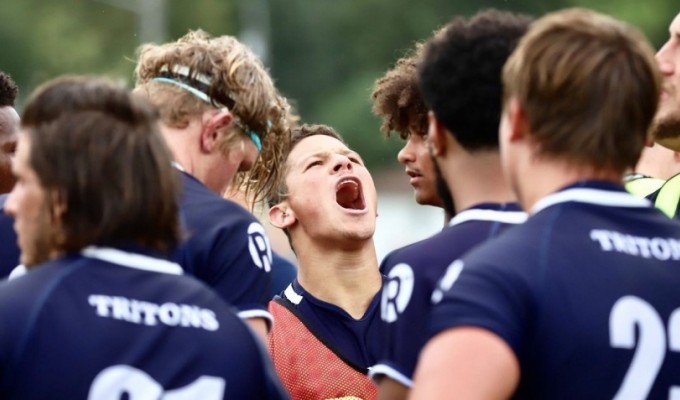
(213, 126)
(649, 140)
(58, 206)
(281, 216)
(436, 135)
(518, 120)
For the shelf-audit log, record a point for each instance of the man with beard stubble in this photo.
(460, 79)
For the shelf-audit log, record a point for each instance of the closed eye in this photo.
(312, 164)
(356, 160)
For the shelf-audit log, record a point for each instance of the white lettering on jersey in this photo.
(259, 247)
(120, 381)
(635, 325)
(150, 314)
(397, 292)
(450, 277)
(656, 247)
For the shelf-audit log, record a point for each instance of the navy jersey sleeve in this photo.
(226, 248)
(413, 273)
(237, 264)
(404, 298)
(480, 293)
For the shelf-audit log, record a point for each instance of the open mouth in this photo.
(348, 194)
(412, 173)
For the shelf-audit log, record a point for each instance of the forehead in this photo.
(9, 121)
(23, 146)
(313, 145)
(675, 25)
(21, 161)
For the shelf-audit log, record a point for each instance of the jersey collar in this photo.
(592, 192)
(509, 213)
(292, 294)
(132, 260)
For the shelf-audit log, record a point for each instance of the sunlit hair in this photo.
(8, 90)
(589, 86)
(236, 79)
(397, 99)
(103, 164)
(460, 74)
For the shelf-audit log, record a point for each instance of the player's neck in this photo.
(478, 178)
(182, 147)
(548, 176)
(347, 278)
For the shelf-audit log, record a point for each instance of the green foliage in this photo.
(324, 54)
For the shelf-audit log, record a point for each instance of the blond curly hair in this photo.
(231, 75)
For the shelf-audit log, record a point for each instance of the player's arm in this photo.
(466, 363)
(389, 389)
(259, 327)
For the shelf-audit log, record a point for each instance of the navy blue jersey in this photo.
(356, 341)
(226, 248)
(585, 293)
(412, 275)
(9, 249)
(104, 323)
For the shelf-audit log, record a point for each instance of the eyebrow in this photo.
(326, 153)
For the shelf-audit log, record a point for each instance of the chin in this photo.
(360, 234)
(427, 200)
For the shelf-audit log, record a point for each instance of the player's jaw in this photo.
(34, 238)
(424, 186)
(666, 125)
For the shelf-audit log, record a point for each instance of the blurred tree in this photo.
(324, 54)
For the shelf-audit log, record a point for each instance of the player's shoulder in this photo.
(516, 246)
(451, 243)
(203, 208)
(426, 252)
(39, 283)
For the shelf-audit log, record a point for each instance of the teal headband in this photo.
(254, 137)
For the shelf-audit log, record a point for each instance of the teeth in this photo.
(342, 182)
(348, 193)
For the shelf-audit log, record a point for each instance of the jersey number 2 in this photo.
(113, 382)
(631, 314)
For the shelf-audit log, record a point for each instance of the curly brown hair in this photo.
(397, 99)
(8, 90)
(238, 80)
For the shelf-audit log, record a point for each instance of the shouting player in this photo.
(327, 327)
